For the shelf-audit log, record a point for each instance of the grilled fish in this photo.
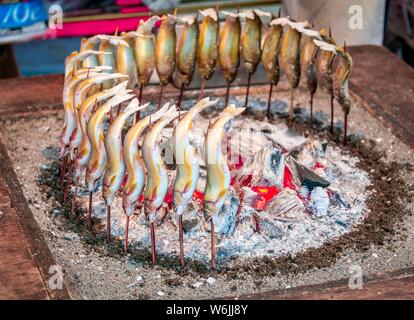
(218, 173)
(229, 46)
(188, 168)
(157, 177)
(97, 161)
(207, 43)
(115, 169)
(135, 166)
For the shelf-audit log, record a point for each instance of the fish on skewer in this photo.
(289, 55)
(84, 149)
(207, 50)
(188, 168)
(97, 160)
(85, 88)
(70, 118)
(109, 46)
(144, 48)
(340, 84)
(91, 43)
(157, 177)
(165, 51)
(125, 59)
(324, 60)
(229, 49)
(73, 62)
(115, 168)
(218, 173)
(308, 54)
(186, 53)
(269, 58)
(135, 167)
(251, 41)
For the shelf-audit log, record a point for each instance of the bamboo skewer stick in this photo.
(154, 250)
(108, 224)
(126, 234)
(181, 240)
(213, 246)
(269, 100)
(90, 209)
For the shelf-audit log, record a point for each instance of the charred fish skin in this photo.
(229, 46)
(207, 44)
(97, 161)
(218, 172)
(165, 49)
(324, 62)
(289, 56)
(341, 79)
(187, 48)
(270, 52)
(308, 55)
(84, 149)
(125, 62)
(135, 166)
(115, 169)
(251, 41)
(145, 50)
(188, 168)
(157, 177)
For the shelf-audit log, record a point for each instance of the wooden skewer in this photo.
(181, 240)
(65, 194)
(311, 107)
(126, 234)
(154, 250)
(247, 90)
(108, 224)
(269, 100)
(63, 169)
(345, 128)
(292, 98)
(74, 195)
(213, 245)
(90, 209)
(202, 88)
(180, 97)
(227, 95)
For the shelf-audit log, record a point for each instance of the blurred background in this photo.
(36, 35)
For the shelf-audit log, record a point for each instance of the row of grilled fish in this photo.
(91, 94)
(292, 47)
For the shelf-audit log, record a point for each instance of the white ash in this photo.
(293, 220)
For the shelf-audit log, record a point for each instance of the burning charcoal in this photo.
(257, 108)
(265, 169)
(225, 220)
(289, 139)
(191, 218)
(279, 108)
(286, 206)
(270, 227)
(319, 202)
(306, 176)
(338, 200)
